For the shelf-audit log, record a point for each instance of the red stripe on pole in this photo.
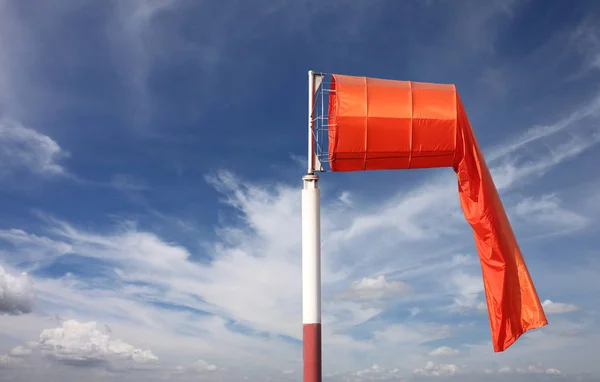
(312, 353)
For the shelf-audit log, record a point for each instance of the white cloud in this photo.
(436, 370)
(444, 351)
(553, 371)
(586, 39)
(413, 333)
(531, 369)
(127, 182)
(33, 249)
(7, 361)
(467, 290)
(22, 148)
(203, 366)
(376, 373)
(177, 335)
(551, 307)
(346, 198)
(16, 293)
(573, 121)
(504, 370)
(578, 133)
(452, 372)
(20, 351)
(547, 210)
(22, 238)
(376, 288)
(83, 343)
(510, 172)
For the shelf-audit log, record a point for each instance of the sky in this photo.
(151, 155)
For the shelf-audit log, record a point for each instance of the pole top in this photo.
(310, 177)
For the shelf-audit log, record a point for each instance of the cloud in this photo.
(346, 198)
(553, 371)
(530, 155)
(444, 351)
(375, 373)
(7, 361)
(78, 343)
(436, 370)
(377, 288)
(547, 211)
(169, 323)
(467, 290)
(16, 293)
(203, 366)
(20, 351)
(452, 373)
(136, 47)
(23, 149)
(125, 182)
(31, 367)
(511, 172)
(586, 40)
(415, 333)
(551, 307)
(579, 117)
(35, 251)
(531, 369)
(20, 238)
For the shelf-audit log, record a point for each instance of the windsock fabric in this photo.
(377, 124)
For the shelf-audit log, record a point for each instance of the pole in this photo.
(311, 278)
(311, 256)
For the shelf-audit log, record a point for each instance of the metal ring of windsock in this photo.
(379, 124)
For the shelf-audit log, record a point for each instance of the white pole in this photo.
(311, 255)
(311, 278)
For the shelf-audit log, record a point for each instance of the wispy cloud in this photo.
(584, 115)
(126, 182)
(24, 149)
(136, 49)
(586, 38)
(413, 333)
(548, 213)
(35, 251)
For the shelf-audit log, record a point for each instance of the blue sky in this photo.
(151, 155)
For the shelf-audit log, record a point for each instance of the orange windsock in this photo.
(378, 124)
